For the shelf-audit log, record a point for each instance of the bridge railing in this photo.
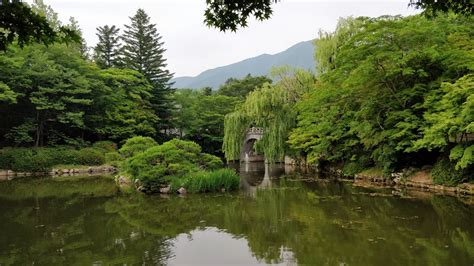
(255, 130)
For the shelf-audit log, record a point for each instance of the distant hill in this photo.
(299, 55)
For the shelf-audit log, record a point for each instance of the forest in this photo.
(390, 93)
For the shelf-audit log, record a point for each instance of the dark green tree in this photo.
(199, 117)
(20, 24)
(107, 50)
(121, 107)
(53, 89)
(240, 88)
(393, 93)
(231, 14)
(430, 7)
(143, 51)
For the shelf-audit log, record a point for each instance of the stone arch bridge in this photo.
(248, 153)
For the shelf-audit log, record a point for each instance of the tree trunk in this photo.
(38, 130)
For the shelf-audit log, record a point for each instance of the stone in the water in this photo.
(182, 190)
(137, 183)
(165, 190)
(122, 180)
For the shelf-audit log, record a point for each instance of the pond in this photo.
(277, 218)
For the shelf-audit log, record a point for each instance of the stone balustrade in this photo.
(255, 130)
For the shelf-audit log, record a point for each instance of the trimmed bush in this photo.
(173, 159)
(30, 160)
(64, 155)
(43, 159)
(210, 162)
(90, 156)
(136, 145)
(105, 146)
(113, 158)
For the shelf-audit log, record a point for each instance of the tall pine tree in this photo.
(107, 50)
(143, 51)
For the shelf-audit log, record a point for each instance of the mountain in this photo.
(299, 55)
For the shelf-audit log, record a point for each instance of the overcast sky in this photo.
(192, 47)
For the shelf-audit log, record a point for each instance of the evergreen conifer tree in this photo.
(107, 50)
(143, 51)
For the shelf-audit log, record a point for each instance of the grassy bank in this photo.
(207, 181)
(42, 160)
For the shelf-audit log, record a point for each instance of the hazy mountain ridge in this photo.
(299, 55)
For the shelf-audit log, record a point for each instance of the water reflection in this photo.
(211, 245)
(275, 220)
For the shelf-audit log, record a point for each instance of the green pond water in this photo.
(276, 218)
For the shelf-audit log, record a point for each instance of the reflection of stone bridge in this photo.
(254, 176)
(248, 153)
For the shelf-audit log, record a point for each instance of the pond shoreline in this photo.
(78, 170)
(420, 181)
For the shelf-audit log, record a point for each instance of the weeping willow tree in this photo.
(270, 107)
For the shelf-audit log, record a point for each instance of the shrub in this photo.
(43, 159)
(352, 168)
(173, 159)
(90, 156)
(31, 160)
(136, 145)
(105, 146)
(5, 158)
(64, 155)
(210, 162)
(444, 173)
(113, 158)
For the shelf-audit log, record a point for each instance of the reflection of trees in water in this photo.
(315, 223)
(318, 226)
(73, 229)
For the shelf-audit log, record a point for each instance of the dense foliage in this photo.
(240, 88)
(393, 92)
(199, 114)
(176, 162)
(40, 160)
(270, 107)
(55, 95)
(20, 24)
(136, 145)
(232, 14)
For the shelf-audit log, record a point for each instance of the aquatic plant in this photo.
(208, 181)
